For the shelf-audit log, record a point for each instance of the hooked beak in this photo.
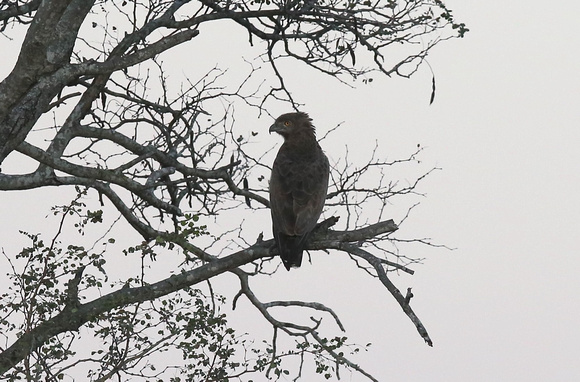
(275, 128)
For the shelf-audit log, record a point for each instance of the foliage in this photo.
(186, 324)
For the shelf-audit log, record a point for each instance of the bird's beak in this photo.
(274, 129)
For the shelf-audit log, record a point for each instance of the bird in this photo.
(298, 186)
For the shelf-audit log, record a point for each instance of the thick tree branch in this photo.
(16, 10)
(76, 314)
(96, 174)
(72, 318)
(47, 48)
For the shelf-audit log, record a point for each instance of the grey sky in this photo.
(505, 128)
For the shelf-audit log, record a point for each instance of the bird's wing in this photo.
(281, 201)
(310, 195)
(297, 193)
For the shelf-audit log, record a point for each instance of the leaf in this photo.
(352, 56)
(432, 91)
(246, 186)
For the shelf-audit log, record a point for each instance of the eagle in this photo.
(298, 186)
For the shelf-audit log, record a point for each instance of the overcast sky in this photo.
(505, 129)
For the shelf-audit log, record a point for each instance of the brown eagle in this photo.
(298, 186)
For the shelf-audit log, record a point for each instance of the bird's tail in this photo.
(291, 248)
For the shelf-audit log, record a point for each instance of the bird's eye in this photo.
(286, 123)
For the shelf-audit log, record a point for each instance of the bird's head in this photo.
(291, 123)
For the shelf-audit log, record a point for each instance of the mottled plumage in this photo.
(298, 186)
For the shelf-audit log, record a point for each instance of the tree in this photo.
(89, 105)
